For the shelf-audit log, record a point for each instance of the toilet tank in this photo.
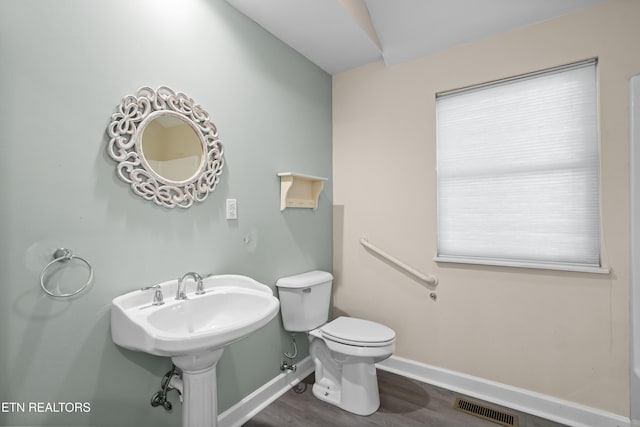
(304, 300)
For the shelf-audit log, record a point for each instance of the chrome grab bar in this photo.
(427, 278)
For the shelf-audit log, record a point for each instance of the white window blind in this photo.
(518, 171)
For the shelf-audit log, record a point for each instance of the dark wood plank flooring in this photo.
(403, 403)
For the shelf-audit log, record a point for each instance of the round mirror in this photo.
(165, 147)
(172, 148)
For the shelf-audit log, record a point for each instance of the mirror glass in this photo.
(172, 147)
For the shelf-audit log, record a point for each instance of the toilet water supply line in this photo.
(289, 366)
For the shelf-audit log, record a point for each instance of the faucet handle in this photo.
(158, 298)
(200, 285)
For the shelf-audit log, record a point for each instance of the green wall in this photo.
(64, 67)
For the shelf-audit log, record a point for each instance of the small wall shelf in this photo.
(299, 191)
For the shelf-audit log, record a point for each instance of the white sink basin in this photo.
(232, 307)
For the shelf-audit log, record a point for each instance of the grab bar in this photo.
(428, 278)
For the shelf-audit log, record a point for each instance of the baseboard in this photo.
(558, 410)
(248, 407)
(538, 404)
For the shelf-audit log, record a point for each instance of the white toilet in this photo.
(344, 350)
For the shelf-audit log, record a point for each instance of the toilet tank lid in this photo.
(304, 280)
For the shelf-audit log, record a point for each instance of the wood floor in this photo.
(403, 403)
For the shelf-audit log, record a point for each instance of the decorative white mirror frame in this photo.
(125, 147)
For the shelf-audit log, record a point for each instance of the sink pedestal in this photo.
(199, 394)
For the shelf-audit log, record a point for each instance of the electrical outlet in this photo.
(232, 209)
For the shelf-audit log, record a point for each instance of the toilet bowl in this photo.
(344, 350)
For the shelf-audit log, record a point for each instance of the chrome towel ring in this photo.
(63, 255)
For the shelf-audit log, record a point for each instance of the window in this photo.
(518, 171)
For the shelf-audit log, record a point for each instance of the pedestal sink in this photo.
(193, 332)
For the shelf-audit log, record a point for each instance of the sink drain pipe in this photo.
(176, 383)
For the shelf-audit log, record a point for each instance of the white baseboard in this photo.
(248, 407)
(541, 405)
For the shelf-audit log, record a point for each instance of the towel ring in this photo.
(63, 255)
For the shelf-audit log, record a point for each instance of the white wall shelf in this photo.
(299, 190)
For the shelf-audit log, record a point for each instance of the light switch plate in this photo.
(232, 209)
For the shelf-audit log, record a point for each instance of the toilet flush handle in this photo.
(306, 290)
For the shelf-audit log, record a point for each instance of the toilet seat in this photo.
(358, 332)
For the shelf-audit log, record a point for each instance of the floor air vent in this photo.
(498, 417)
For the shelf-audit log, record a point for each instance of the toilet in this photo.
(344, 350)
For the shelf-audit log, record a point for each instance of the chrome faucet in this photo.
(181, 293)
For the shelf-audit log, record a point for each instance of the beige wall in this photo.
(558, 333)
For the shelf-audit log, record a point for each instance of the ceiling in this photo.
(338, 35)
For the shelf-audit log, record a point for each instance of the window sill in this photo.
(581, 268)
